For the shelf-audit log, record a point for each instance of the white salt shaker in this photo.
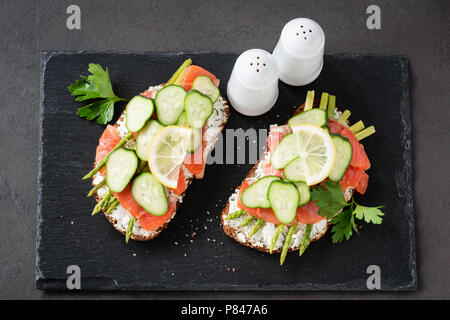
(299, 52)
(253, 85)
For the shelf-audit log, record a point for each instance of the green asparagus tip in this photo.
(101, 204)
(235, 215)
(344, 116)
(180, 70)
(365, 133)
(286, 244)
(324, 101)
(309, 100)
(112, 206)
(305, 239)
(129, 229)
(357, 127)
(247, 221)
(331, 106)
(96, 187)
(256, 227)
(275, 237)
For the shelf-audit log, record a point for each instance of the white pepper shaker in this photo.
(299, 52)
(253, 86)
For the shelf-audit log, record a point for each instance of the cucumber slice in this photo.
(255, 196)
(344, 153)
(120, 168)
(317, 117)
(169, 103)
(284, 200)
(144, 138)
(295, 170)
(198, 109)
(196, 140)
(182, 120)
(285, 151)
(304, 192)
(149, 194)
(138, 111)
(204, 85)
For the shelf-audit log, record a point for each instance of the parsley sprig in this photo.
(330, 199)
(96, 86)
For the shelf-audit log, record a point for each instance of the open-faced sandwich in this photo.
(145, 162)
(303, 183)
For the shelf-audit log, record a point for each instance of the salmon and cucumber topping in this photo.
(304, 182)
(147, 159)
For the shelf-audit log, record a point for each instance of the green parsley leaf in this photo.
(369, 214)
(95, 86)
(343, 224)
(329, 199)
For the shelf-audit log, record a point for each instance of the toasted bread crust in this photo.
(189, 180)
(233, 232)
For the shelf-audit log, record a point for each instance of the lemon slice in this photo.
(306, 155)
(166, 154)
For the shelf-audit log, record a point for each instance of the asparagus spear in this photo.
(275, 237)
(286, 244)
(112, 206)
(344, 116)
(96, 187)
(357, 126)
(309, 100)
(256, 227)
(180, 70)
(305, 239)
(180, 76)
(103, 162)
(235, 215)
(247, 221)
(101, 203)
(324, 101)
(365, 133)
(130, 229)
(331, 106)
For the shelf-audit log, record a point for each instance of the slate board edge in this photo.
(408, 172)
(109, 284)
(45, 57)
(59, 284)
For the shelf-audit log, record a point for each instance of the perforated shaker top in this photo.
(256, 68)
(303, 38)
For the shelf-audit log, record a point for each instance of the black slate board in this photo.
(374, 87)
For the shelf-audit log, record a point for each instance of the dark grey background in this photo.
(418, 29)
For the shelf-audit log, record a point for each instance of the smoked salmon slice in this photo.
(195, 162)
(276, 133)
(355, 178)
(106, 143)
(193, 72)
(359, 159)
(181, 184)
(307, 214)
(149, 222)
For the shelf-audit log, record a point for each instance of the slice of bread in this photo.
(119, 217)
(262, 239)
